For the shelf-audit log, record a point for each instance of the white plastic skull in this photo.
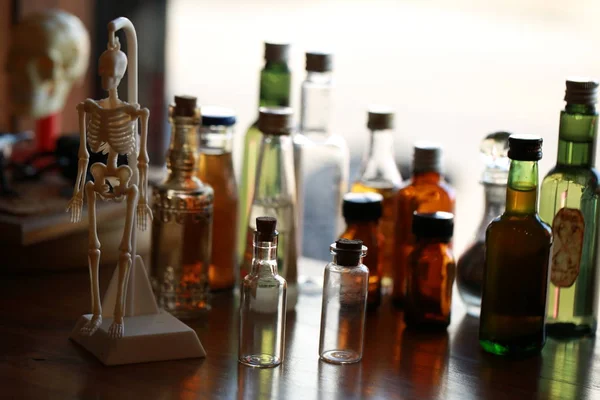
(49, 51)
(111, 67)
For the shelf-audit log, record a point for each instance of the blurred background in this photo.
(453, 71)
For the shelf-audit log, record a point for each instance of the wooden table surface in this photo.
(38, 361)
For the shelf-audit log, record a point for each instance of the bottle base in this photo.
(569, 330)
(511, 350)
(260, 360)
(341, 356)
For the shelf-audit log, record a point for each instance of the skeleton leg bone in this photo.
(116, 330)
(94, 262)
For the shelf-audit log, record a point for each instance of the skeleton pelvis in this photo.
(111, 184)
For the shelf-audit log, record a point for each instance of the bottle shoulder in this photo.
(524, 227)
(589, 177)
(426, 191)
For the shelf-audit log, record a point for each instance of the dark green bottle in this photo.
(275, 86)
(569, 202)
(513, 306)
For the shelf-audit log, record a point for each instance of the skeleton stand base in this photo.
(150, 334)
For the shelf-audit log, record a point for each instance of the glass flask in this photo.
(380, 174)
(322, 162)
(263, 298)
(362, 212)
(344, 307)
(517, 251)
(275, 194)
(215, 167)
(569, 203)
(470, 266)
(275, 87)
(182, 225)
(431, 270)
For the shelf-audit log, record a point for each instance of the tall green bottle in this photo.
(569, 202)
(275, 86)
(517, 250)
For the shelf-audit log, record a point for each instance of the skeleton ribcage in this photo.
(111, 129)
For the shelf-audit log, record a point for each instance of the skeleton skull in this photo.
(111, 67)
(49, 52)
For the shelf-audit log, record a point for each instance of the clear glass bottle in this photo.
(569, 203)
(263, 298)
(431, 270)
(362, 212)
(426, 192)
(322, 161)
(344, 307)
(182, 224)
(275, 194)
(517, 251)
(470, 266)
(380, 174)
(275, 87)
(215, 167)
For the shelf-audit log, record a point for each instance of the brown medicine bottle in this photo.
(431, 271)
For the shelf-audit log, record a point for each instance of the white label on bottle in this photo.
(567, 229)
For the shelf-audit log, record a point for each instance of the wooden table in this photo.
(39, 362)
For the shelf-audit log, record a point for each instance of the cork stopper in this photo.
(427, 157)
(319, 62)
(380, 118)
(349, 252)
(275, 120)
(185, 106)
(277, 52)
(266, 229)
(581, 91)
(525, 147)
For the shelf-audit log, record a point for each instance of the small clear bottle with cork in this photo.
(470, 266)
(263, 302)
(275, 194)
(379, 173)
(183, 217)
(344, 307)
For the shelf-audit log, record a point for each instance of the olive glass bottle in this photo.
(516, 262)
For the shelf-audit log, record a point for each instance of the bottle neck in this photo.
(361, 226)
(495, 203)
(275, 84)
(346, 260)
(577, 135)
(182, 156)
(382, 145)
(427, 177)
(275, 170)
(315, 102)
(521, 192)
(216, 139)
(264, 257)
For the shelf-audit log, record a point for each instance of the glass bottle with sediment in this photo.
(322, 163)
(380, 174)
(263, 302)
(430, 274)
(215, 167)
(470, 266)
(569, 203)
(362, 212)
(426, 192)
(343, 312)
(275, 87)
(183, 218)
(275, 194)
(513, 307)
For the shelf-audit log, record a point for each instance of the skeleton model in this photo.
(110, 126)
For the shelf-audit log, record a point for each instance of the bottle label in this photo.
(567, 229)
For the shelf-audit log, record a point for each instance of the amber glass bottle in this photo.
(426, 192)
(215, 167)
(362, 212)
(513, 306)
(431, 271)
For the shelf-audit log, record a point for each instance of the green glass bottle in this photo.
(518, 242)
(569, 202)
(275, 86)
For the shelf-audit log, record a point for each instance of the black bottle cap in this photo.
(581, 91)
(525, 147)
(266, 229)
(362, 206)
(437, 225)
(319, 61)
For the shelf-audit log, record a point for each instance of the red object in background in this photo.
(46, 133)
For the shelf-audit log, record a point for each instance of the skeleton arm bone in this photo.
(76, 203)
(143, 209)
